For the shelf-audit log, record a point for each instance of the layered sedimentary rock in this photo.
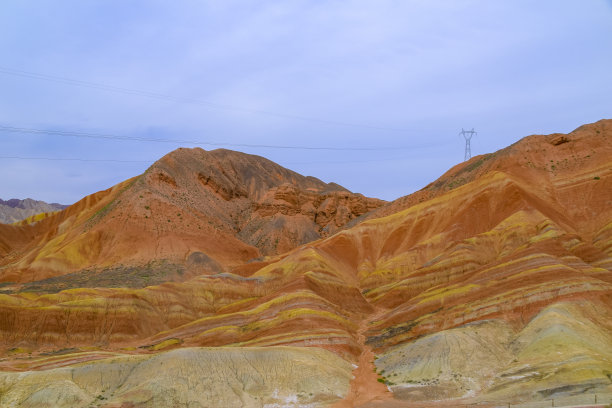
(560, 164)
(495, 288)
(202, 377)
(192, 212)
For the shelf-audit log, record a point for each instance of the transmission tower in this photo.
(467, 135)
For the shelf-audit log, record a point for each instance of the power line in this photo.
(75, 159)
(151, 161)
(207, 104)
(467, 135)
(389, 159)
(15, 129)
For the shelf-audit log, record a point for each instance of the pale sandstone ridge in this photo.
(498, 289)
(188, 377)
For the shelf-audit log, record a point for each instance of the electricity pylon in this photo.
(467, 135)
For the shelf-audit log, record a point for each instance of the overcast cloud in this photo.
(402, 74)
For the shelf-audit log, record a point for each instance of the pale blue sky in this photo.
(408, 74)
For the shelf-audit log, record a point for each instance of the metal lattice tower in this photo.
(467, 135)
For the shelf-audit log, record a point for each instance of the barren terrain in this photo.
(222, 279)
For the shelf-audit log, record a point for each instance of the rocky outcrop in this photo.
(287, 217)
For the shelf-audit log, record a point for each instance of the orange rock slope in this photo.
(192, 212)
(494, 283)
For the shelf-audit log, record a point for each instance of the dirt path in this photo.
(365, 386)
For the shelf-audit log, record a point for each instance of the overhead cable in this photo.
(74, 159)
(207, 104)
(78, 134)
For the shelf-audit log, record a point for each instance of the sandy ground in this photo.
(365, 387)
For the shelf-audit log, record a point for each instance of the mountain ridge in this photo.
(194, 209)
(497, 290)
(531, 159)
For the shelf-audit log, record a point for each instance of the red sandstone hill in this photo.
(542, 160)
(193, 211)
(493, 284)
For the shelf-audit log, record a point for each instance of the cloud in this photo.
(429, 67)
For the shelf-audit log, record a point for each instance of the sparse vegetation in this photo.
(152, 273)
(456, 183)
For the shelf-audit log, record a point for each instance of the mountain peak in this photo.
(225, 206)
(231, 173)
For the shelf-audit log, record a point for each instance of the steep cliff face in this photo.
(496, 288)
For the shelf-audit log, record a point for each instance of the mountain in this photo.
(191, 212)
(534, 159)
(14, 210)
(492, 285)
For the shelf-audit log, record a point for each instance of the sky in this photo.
(388, 85)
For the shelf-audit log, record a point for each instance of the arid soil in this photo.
(492, 284)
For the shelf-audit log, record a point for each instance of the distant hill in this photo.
(14, 210)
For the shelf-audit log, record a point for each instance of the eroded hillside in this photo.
(494, 288)
(192, 212)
